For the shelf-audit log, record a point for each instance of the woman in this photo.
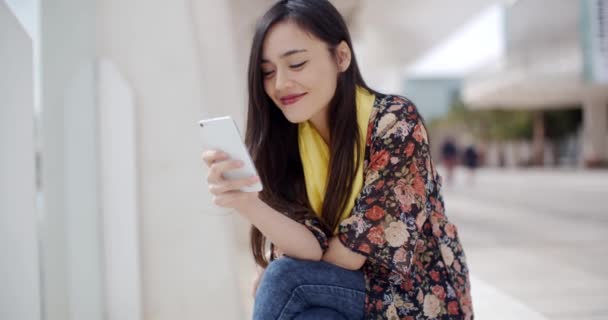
(351, 203)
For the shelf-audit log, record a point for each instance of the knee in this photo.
(319, 313)
(284, 269)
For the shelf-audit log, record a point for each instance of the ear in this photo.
(343, 56)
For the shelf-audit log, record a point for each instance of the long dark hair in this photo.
(273, 141)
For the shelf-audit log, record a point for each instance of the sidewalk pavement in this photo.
(538, 237)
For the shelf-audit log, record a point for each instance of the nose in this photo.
(282, 80)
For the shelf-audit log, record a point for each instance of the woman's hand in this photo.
(294, 238)
(226, 193)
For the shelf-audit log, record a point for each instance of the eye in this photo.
(267, 74)
(296, 66)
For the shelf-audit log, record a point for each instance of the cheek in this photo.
(269, 88)
(267, 85)
(323, 74)
(325, 79)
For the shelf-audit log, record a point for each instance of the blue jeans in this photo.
(298, 289)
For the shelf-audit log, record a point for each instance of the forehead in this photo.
(286, 36)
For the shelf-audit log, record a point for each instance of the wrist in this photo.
(253, 205)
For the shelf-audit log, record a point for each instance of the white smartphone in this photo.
(222, 134)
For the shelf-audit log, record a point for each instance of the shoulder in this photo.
(395, 115)
(395, 104)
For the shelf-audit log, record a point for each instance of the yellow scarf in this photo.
(314, 154)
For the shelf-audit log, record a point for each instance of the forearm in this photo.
(294, 239)
(341, 256)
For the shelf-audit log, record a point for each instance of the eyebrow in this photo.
(287, 54)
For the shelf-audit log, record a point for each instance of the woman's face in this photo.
(300, 73)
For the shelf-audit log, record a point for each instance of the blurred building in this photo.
(433, 96)
(556, 58)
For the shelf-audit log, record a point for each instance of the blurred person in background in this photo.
(351, 205)
(470, 159)
(449, 157)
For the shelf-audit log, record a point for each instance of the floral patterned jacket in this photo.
(415, 266)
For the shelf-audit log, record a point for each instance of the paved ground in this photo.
(535, 240)
(537, 237)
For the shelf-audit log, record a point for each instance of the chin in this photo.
(295, 119)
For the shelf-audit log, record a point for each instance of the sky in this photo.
(479, 42)
(26, 12)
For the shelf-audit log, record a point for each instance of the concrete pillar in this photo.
(595, 131)
(127, 229)
(120, 210)
(19, 264)
(70, 226)
(176, 58)
(538, 142)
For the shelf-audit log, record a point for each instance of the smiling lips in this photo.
(291, 99)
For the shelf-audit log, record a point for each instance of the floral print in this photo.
(416, 267)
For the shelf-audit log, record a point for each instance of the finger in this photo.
(230, 185)
(218, 168)
(212, 156)
(226, 199)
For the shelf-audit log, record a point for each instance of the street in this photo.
(537, 237)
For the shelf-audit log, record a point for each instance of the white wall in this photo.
(70, 234)
(175, 57)
(19, 277)
(120, 210)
